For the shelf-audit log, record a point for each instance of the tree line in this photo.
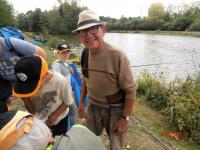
(62, 19)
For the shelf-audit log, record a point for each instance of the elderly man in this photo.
(108, 81)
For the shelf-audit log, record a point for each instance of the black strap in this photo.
(85, 68)
(6, 117)
(84, 62)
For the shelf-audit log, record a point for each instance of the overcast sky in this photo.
(111, 8)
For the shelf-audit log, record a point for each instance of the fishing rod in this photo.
(161, 142)
(156, 64)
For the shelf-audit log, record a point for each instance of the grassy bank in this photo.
(178, 100)
(157, 124)
(177, 33)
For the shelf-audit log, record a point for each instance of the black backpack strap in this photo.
(84, 62)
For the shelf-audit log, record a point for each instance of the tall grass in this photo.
(179, 100)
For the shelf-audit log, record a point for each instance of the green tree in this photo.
(156, 10)
(6, 13)
(22, 22)
(195, 26)
(182, 23)
(36, 20)
(69, 12)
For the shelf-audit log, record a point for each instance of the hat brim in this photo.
(30, 89)
(62, 51)
(88, 26)
(26, 89)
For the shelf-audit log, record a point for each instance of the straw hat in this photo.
(87, 19)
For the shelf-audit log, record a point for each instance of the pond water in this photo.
(175, 56)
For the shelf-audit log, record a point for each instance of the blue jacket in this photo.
(76, 84)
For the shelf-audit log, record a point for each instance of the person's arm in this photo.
(81, 108)
(51, 119)
(66, 95)
(26, 48)
(83, 91)
(128, 85)
(128, 107)
(121, 125)
(39, 51)
(29, 106)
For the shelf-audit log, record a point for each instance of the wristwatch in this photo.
(127, 118)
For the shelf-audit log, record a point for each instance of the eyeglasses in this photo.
(92, 30)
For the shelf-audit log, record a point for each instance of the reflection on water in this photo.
(178, 55)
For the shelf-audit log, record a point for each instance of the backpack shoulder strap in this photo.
(84, 62)
(9, 44)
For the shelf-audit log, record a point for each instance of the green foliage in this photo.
(60, 20)
(182, 23)
(168, 26)
(72, 56)
(63, 19)
(156, 10)
(22, 22)
(144, 83)
(180, 97)
(195, 26)
(186, 104)
(53, 42)
(6, 13)
(155, 90)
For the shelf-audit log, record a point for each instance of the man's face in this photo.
(92, 37)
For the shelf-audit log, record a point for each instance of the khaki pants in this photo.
(99, 118)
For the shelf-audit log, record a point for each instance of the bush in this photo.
(53, 42)
(144, 83)
(158, 96)
(155, 90)
(182, 23)
(186, 103)
(196, 25)
(180, 97)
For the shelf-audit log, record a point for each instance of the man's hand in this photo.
(81, 110)
(120, 126)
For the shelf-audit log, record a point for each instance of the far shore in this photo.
(181, 33)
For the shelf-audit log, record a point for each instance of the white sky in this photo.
(111, 8)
